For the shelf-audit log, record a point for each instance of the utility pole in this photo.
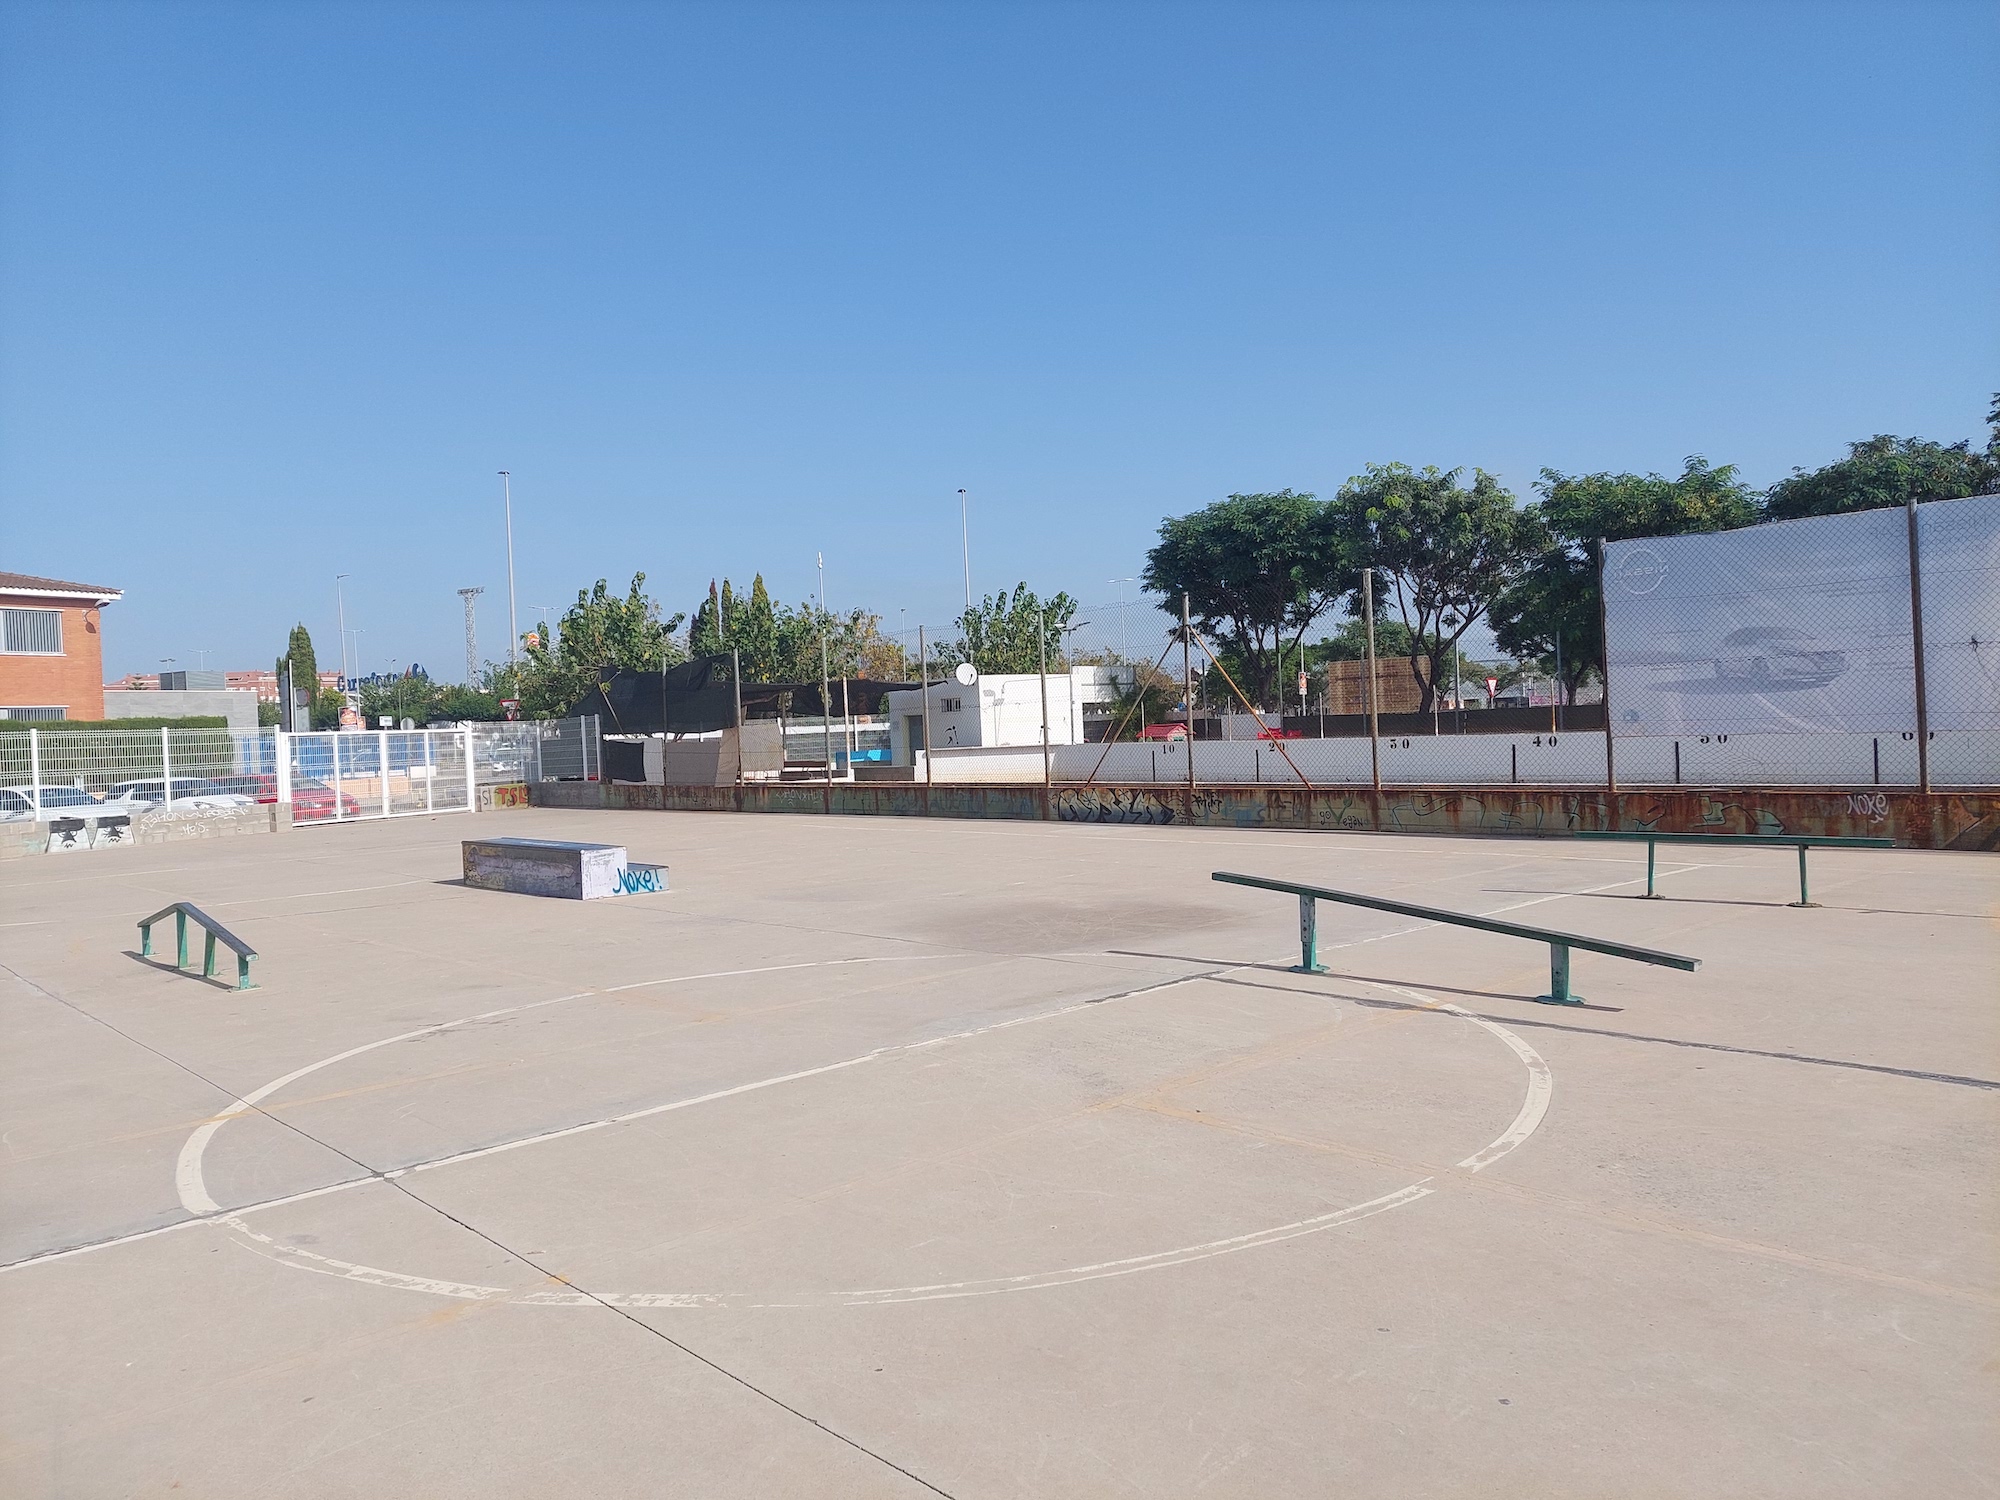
(340, 604)
(965, 546)
(513, 625)
(471, 637)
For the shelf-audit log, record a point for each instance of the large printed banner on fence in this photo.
(1792, 627)
(1804, 626)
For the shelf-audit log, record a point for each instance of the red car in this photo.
(310, 799)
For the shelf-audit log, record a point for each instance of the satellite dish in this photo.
(966, 674)
(409, 723)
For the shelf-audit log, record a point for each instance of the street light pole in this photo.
(513, 625)
(965, 546)
(340, 604)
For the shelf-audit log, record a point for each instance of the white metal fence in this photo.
(326, 776)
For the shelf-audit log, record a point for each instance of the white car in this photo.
(17, 804)
(189, 791)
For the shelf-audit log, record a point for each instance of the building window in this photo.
(33, 713)
(950, 705)
(31, 632)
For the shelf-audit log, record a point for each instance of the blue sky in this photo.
(281, 287)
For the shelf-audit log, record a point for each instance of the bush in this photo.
(190, 721)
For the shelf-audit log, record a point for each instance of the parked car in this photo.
(189, 791)
(310, 798)
(1777, 656)
(1164, 732)
(17, 803)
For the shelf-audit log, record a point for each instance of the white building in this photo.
(1002, 709)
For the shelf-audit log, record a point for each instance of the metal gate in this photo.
(338, 777)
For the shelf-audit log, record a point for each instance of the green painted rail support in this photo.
(1560, 943)
(212, 931)
(1799, 841)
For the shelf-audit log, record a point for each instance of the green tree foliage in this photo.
(1551, 609)
(1257, 570)
(1443, 551)
(599, 630)
(1013, 632)
(1148, 697)
(778, 643)
(326, 703)
(1883, 471)
(1350, 642)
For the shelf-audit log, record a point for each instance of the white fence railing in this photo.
(327, 776)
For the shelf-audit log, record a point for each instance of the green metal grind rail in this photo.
(1801, 842)
(213, 930)
(1559, 943)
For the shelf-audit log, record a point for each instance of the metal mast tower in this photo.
(471, 638)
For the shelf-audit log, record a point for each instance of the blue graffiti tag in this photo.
(631, 881)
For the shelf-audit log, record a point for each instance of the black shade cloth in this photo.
(697, 697)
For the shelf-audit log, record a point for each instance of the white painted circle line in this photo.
(1534, 1109)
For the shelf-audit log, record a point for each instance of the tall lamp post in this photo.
(965, 546)
(513, 626)
(340, 605)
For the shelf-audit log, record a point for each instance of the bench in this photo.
(180, 911)
(1560, 943)
(1801, 842)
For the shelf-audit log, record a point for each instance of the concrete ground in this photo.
(898, 1158)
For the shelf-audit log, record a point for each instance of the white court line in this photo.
(193, 1190)
(192, 1187)
(1533, 1110)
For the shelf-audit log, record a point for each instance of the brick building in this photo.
(51, 647)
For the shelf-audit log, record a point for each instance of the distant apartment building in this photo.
(52, 647)
(263, 684)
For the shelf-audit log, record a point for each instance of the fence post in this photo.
(1187, 690)
(924, 676)
(430, 772)
(1917, 648)
(166, 768)
(1604, 656)
(1374, 719)
(471, 773)
(282, 756)
(334, 740)
(1042, 669)
(35, 767)
(538, 755)
(382, 765)
(736, 673)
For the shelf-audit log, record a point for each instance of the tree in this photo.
(1551, 611)
(1885, 470)
(599, 630)
(1147, 696)
(1443, 553)
(327, 703)
(1257, 571)
(1014, 632)
(1350, 642)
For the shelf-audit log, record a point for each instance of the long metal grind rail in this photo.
(1560, 943)
(213, 930)
(1801, 842)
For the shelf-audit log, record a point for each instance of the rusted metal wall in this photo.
(1943, 820)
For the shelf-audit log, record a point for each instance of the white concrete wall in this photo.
(237, 705)
(1577, 759)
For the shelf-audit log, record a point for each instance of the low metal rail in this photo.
(1560, 943)
(213, 930)
(1799, 841)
